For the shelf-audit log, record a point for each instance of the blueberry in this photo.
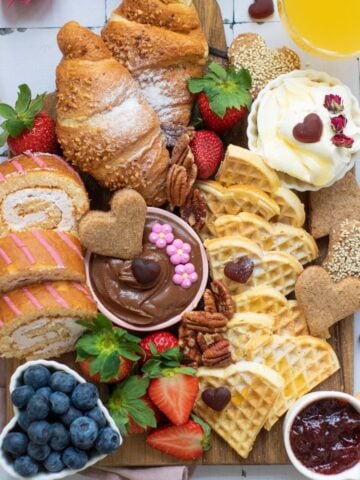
(40, 432)
(62, 382)
(21, 395)
(53, 463)
(36, 376)
(38, 452)
(23, 420)
(85, 396)
(59, 402)
(71, 415)
(37, 407)
(26, 466)
(83, 433)
(60, 437)
(44, 391)
(15, 443)
(74, 458)
(108, 440)
(98, 416)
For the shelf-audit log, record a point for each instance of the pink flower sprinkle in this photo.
(178, 252)
(341, 140)
(161, 235)
(338, 123)
(333, 103)
(185, 275)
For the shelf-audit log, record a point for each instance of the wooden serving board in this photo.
(269, 447)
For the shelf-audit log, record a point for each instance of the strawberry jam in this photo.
(325, 436)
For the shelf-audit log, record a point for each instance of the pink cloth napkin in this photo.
(160, 473)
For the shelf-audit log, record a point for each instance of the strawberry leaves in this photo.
(168, 362)
(22, 116)
(106, 345)
(223, 88)
(126, 402)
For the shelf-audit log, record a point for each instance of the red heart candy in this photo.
(261, 9)
(310, 130)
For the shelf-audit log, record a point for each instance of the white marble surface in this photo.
(29, 54)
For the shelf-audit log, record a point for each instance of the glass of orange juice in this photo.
(329, 28)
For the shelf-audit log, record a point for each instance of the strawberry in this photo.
(106, 353)
(173, 388)
(224, 96)
(188, 441)
(161, 341)
(208, 151)
(26, 127)
(130, 406)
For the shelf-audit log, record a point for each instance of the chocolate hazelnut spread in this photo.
(139, 303)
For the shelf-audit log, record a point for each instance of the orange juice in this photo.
(324, 27)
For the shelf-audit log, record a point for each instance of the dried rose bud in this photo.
(341, 140)
(333, 103)
(338, 123)
(239, 270)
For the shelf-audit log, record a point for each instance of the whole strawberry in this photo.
(208, 151)
(160, 340)
(26, 127)
(224, 96)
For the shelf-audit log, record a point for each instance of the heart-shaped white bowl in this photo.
(349, 474)
(15, 381)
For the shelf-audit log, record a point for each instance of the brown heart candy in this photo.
(239, 270)
(309, 130)
(216, 398)
(145, 270)
(261, 9)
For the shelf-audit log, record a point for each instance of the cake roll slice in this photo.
(39, 190)
(39, 321)
(37, 256)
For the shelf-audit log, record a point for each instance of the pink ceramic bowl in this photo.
(172, 321)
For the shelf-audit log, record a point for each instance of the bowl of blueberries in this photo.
(60, 425)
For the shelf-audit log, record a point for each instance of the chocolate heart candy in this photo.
(310, 130)
(261, 9)
(145, 270)
(216, 398)
(239, 270)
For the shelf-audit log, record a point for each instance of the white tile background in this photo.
(29, 54)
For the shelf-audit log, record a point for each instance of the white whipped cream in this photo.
(284, 106)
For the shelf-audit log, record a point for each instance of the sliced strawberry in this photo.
(130, 406)
(174, 395)
(106, 353)
(161, 340)
(188, 441)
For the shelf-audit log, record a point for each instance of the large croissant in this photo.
(162, 44)
(104, 124)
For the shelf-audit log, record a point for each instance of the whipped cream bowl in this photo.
(299, 411)
(180, 276)
(283, 107)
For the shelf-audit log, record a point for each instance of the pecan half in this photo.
(218, 355)
(209, 302)
(194, 210)
(224, 302)
(205, 322)
(207, 340)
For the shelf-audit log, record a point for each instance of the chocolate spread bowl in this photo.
(352, 473)
(161, 302)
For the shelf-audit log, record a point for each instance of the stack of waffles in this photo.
(276, 361)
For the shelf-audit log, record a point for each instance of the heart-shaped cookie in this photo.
(323, 301)
(309, 130)
(261, 9)
(250, 51)
(119, 232)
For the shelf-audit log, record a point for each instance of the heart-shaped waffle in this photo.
(270, 236)
(254, 388)
(302, 361)
(119, 232)
(249, 50)
(274, 269)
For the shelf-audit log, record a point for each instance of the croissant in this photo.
(39, 321)
(104, 124)
(162, 44)
(39, 190)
